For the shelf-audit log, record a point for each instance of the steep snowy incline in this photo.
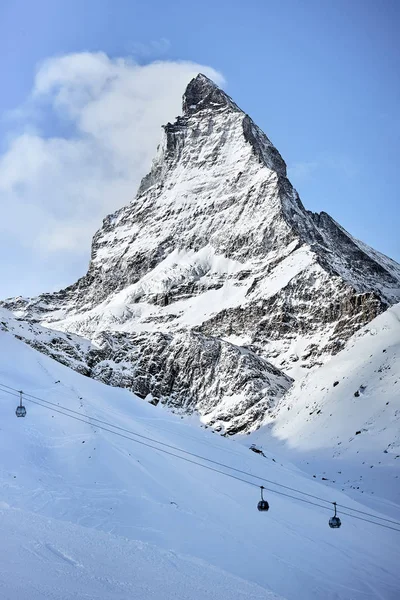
(97, 496)
(342, 422)
(217, 242)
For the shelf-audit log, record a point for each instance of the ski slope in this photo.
(88, 514)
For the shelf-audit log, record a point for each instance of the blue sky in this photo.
(319, 77)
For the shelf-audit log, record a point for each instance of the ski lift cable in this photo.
(218, 463)
(84, 420)
(147, 424)
(206, 459)
(108, 424)
(141, 443)
(178, 449)
(183, 451)
(208, 467)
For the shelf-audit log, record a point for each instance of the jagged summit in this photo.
(212, 131)
(202, 93)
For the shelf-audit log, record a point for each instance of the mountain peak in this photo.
(202, 93)
(215, 269)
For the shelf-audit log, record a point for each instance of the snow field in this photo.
(104, 497)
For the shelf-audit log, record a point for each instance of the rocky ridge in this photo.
(189, 371)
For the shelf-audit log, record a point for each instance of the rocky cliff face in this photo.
(217, 251)
(230, 387)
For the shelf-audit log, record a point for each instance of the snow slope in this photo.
(47, 558)
(87, 514)
(343, 420)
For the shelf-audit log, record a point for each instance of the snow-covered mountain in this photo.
(215, 271)
(89, 513)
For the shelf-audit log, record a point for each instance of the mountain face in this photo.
(215, 271)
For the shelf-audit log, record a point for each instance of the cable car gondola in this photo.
(20, 411)
(335, 522)
(263, 504)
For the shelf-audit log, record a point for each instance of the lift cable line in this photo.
(208, 467)
(86, 421)
(146, 423)
(167, 452)
(58, 406)
(198, 456)
(193, 454)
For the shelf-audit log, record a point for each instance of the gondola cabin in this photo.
(263, 504)
(334, 522)
(20, 411)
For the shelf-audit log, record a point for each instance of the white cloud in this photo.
(55, 190)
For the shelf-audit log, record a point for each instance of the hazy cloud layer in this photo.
(55, 189)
